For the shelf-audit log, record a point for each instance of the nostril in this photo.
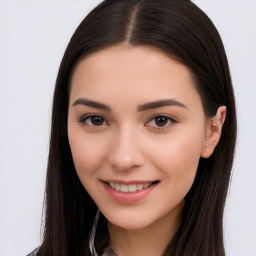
(126, 162)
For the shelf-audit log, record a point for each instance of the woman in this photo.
(143, 134)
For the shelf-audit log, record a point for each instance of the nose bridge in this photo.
(125, 151)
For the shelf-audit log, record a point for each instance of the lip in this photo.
(129, 182)
(128, 197)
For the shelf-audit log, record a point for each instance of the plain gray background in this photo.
(33, 37)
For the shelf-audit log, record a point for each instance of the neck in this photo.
(149, 241)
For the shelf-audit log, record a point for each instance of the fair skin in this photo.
(135, 118)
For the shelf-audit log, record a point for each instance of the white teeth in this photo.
(145, 185)
(129, 188)
(139, 186)
(132, 187)
(117, 186)
(124, 188)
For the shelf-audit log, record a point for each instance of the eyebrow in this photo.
(140, 108)
(160, 103)
(91, 103)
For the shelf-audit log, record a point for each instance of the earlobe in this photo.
(213, 132)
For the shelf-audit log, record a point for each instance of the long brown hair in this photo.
(185, 33)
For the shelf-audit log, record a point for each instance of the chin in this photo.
(130, 220)
(130, 224)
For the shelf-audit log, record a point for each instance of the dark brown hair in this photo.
(182, 31)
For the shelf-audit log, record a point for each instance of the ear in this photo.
(213, 132)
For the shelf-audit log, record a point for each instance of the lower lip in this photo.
(129, 197)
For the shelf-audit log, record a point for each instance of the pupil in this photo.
(161, 121)
(97, 120)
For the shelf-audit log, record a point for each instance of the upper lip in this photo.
(127, 182)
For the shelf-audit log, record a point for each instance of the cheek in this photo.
(88, 152)
(177, 158)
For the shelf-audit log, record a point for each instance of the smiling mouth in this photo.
(130, 188)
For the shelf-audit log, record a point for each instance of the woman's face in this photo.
(136, 129)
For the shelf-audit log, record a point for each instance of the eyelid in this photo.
(170, 118)
(86, 116)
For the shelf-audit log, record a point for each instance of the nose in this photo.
(125, 152)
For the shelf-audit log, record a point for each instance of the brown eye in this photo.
(97, 120)
(94, 120)
(161, 122)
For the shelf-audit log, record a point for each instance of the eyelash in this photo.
(90, 116)
(170, 121)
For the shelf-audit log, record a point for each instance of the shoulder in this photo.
(108, 252)
(34, 253)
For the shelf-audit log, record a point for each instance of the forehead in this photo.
(140, 72)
